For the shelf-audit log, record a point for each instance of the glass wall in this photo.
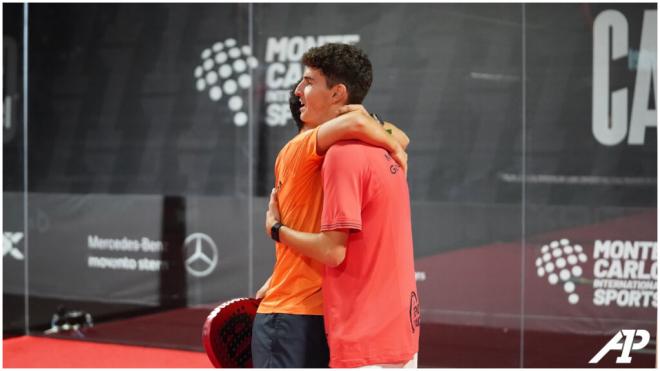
(14, 165)
(590, 218)
(139, 187)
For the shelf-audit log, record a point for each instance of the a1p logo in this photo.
(624, 346)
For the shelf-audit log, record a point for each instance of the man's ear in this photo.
(339, 94)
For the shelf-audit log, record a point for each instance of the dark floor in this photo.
(443, 345)
(41, 311)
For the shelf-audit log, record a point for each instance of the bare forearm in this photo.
(313, 245)
(354, 125)
(374, 134)
(327, 247)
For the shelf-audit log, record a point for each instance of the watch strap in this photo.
(275, 231)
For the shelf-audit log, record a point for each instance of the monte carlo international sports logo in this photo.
(620, 273)
(226, 71)
(560, 262)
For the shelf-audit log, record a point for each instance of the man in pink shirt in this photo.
(371, 307)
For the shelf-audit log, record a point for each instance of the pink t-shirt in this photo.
(370, 301)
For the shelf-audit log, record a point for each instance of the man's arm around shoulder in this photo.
(355, 123)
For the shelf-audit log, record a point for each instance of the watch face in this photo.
(275, 231)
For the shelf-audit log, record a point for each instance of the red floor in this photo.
(38, 352)
(158, 339)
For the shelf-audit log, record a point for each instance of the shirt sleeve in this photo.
(309, 146)
(342, 190)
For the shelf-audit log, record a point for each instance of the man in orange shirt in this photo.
(288, 330)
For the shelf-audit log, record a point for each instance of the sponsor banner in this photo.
(131, 249)
(13, 242)
(592, 279)
(14, 260)
(589, 279)
(216, 92)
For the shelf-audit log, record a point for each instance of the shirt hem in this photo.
(271, 310)
(352, 363)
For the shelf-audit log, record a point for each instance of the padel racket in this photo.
(227, 333)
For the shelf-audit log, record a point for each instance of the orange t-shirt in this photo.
(295, 286)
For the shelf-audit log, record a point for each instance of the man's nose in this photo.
(298, 91)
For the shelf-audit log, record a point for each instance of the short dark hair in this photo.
(342, 64)
(294, 106)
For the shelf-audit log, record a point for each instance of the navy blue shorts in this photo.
(289, 340)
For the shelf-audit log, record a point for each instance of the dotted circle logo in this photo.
(560, 261)
(225, 71)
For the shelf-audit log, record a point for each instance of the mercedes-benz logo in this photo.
(201, 253)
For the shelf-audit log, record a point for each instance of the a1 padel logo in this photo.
(624, 346)
(225, 68)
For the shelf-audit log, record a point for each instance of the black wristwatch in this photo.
(275, 231)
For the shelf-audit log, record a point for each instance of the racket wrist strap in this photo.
(275, 231)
